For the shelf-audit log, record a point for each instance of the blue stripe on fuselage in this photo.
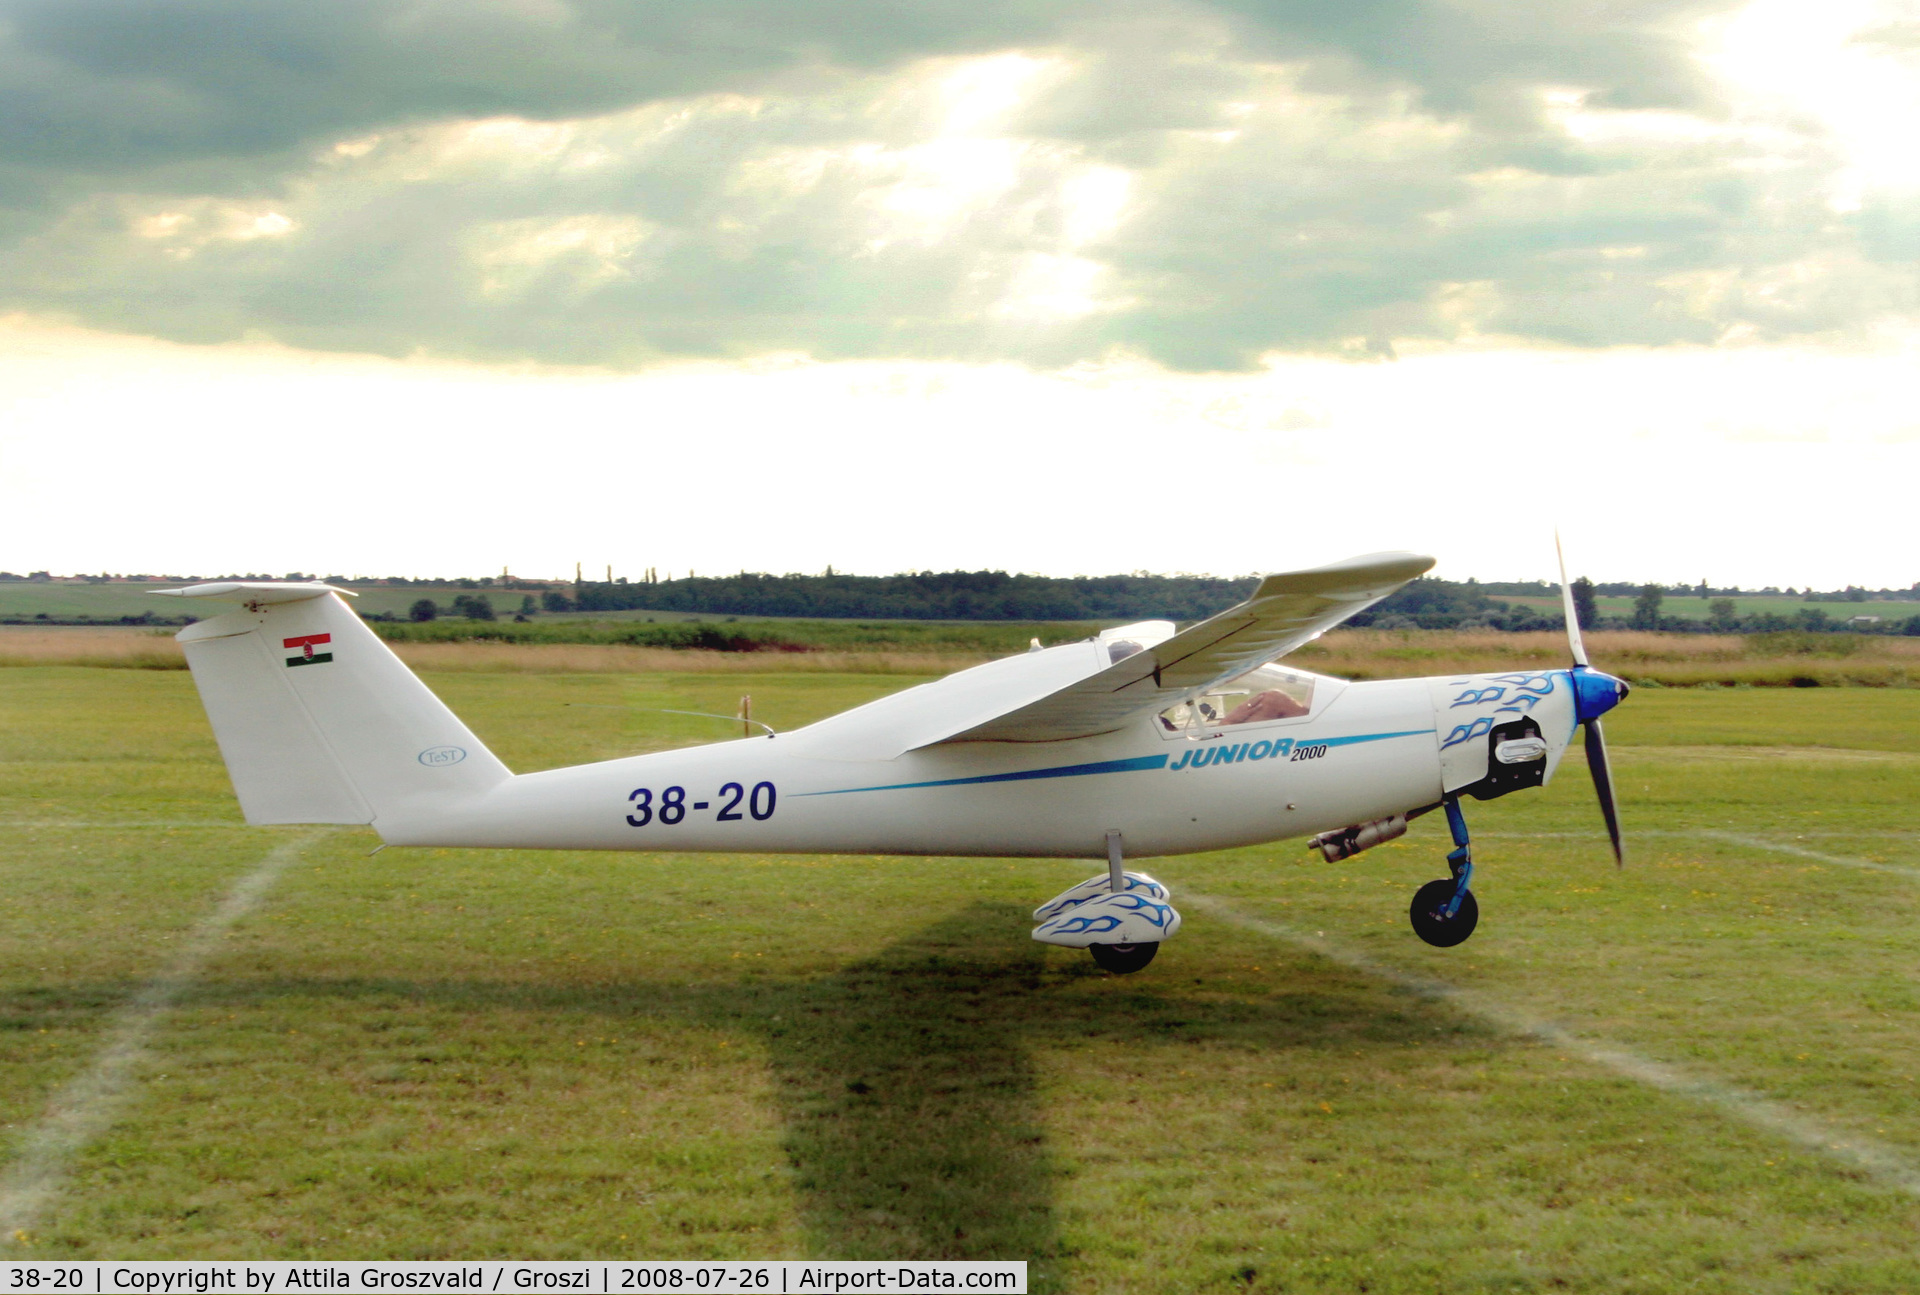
(1361, 737)
(1138, 764)
(1060, 771)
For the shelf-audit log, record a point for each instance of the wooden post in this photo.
(746, 716)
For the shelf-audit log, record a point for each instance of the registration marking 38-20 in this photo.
(672, 806)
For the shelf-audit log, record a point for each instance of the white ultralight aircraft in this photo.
(1141, 741)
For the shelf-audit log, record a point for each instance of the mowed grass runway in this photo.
(1698, 1074)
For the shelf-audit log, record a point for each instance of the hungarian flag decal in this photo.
(306, 644)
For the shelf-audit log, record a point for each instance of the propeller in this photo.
(1594, 694)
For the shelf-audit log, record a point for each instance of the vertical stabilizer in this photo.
(319, 721)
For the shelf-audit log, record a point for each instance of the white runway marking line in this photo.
(1731, 838)
(1801, 852)
(1884, 1163)
(86, 1106)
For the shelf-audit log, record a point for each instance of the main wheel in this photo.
(1121, 959)
(1428, 914)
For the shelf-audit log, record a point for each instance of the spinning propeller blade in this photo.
(1603, 787)
(1566, 602)
(1594, 695)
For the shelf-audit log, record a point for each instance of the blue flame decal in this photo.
(1467, 732)
(1159, 915)
(1474, 696)
(1078, 925)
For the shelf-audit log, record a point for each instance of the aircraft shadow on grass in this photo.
(906, 1081)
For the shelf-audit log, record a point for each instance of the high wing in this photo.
(1288, 609)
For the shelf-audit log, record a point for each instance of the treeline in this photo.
(949, 595)
(1723, 617)
(1443, 604)
(1628, 589)
(147, 578)
(926, 595)
(996, 597)
(1426, 603)
(989, 637)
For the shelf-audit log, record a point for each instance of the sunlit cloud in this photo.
(923, 273)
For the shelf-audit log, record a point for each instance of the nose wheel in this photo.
(1432, 922)
(1444, 912)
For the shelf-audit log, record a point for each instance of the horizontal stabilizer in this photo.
(256, 593)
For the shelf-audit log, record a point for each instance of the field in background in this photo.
(130, 647)
(450, 1053)
(114, 600)
(1694, 608)
(1667, 660)
(982, 639)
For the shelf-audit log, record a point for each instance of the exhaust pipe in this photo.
(1349, 841)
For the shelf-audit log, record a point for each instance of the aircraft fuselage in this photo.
(1365, 751)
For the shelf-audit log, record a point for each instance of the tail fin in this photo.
(318, 720)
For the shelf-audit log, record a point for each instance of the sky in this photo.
(418, 287)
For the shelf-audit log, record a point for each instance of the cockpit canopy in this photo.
(1262, 695)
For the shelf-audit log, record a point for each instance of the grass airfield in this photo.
(1699, 1074)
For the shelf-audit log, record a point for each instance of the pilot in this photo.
(1271, 704)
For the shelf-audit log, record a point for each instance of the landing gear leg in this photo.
(1120, 959)
(1445, 912)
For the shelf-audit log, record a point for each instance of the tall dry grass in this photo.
(1670, 660)
(146, 649)
(91, 645)
(593, 658)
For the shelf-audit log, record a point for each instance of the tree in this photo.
(527, 605)
(475, 607)
(1646, 607)
(424, 610)
(1724, 615)
(555, 601)
(1585, 606)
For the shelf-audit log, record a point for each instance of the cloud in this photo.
(612, 184)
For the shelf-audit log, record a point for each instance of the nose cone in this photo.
(1594, 693)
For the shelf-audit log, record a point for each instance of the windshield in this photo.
(1260, 696)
